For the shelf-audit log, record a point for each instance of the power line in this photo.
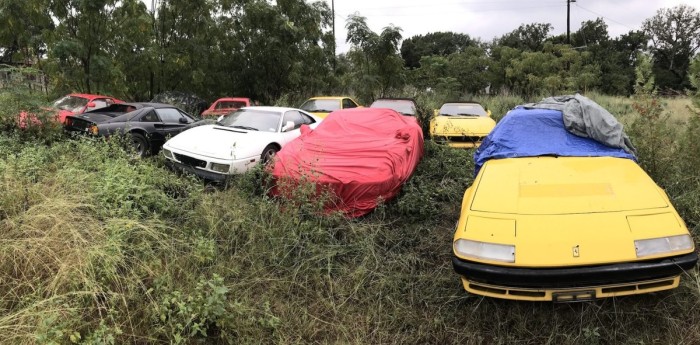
(456, 3)
(600, 15)
(423, 13)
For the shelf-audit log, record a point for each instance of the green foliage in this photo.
(656, 149)
(527, 37)
(97, 247)
(24, 113)
(413, 49)
(182, 317)
(675, 38)
(376, 68)
(440, 180)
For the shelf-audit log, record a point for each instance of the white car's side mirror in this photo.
(220, 118)
(288, 126)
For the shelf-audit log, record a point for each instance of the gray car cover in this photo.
(587, 119)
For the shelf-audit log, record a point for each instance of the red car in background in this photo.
(78, 103)
(223, 106)
(71, 104)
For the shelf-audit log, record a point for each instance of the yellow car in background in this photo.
(461, 124)
(322, 106)
(556, 217)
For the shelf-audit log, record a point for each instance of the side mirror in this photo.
(288, 126)
(91, 105)
(488, 112)
(220, 118)
(183, 120)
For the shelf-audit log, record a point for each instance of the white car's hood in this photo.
(220, 142)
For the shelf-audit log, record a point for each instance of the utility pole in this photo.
(333, 14)
(568, 20)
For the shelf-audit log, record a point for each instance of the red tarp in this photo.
(362, 155)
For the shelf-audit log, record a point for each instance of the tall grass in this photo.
(98, 247)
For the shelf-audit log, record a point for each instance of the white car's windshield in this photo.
(71, 103)
(404, 107)
(462, 109)
(321, 105)
(253, 120)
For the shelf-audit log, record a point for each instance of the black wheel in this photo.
(140, 144)
(268, 153)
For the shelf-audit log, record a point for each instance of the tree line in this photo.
(267, 50)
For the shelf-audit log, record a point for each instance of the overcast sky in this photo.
(488, 19)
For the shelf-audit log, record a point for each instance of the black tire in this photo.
(268, 153)
(140, 144)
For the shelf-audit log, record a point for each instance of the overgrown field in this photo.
(99, 248)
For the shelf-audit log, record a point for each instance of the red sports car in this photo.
(78, 103)
(71, 104)
(223, 106)
(363, 156)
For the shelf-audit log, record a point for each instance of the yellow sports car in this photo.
(461, 124)
(552, 216)
(322, 106)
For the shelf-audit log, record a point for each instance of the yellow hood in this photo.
(461, 125)
(566, 211)
(565, 185)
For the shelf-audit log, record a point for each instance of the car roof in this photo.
(462, 102)
(513, 137)
(88, 95)
(329, 97)
(139, 105)
(395, 99)
(271, 108)
(232, 99)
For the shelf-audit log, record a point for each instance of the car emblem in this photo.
(575, 251)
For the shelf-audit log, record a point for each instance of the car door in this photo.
(298, 120)
(172, 121)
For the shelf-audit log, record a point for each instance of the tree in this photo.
(82, 47)
(375, 58)
(675, 39)
(527, 37)
(434, 43)
(23, 23)
(268, 50)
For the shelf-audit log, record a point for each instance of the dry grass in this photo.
(98, 248)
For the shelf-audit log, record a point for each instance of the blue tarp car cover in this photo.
(538, 132)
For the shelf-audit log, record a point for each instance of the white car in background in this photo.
(237, 142)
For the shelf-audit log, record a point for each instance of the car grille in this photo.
(191, 161)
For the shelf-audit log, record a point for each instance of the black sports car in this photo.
(148, 124)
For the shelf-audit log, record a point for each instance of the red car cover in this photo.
(361, 155)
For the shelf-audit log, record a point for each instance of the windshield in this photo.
(230, 105)
(404, 107)
(253, 120)
(468, 109)
(71, 103)
(321, 105)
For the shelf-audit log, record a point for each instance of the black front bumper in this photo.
(207, 175)
(574, 276)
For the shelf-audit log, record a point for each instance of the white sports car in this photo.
(236, 142)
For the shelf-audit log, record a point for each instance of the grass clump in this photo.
(99, 247)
